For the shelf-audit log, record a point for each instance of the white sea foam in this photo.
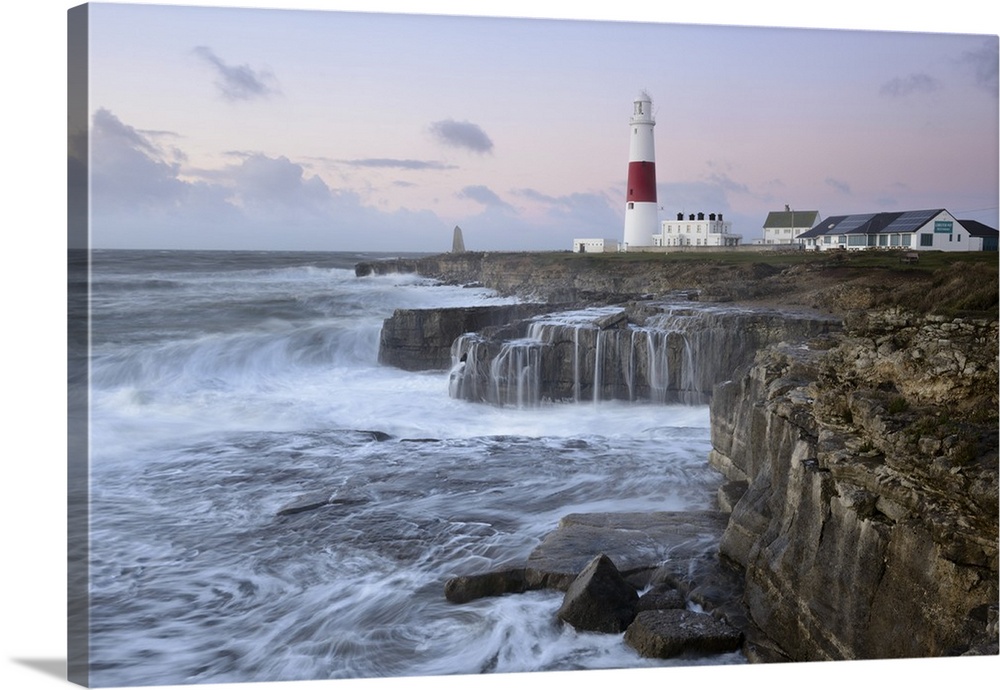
(222, 394)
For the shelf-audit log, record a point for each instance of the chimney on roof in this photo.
(691, 217)
(680, 216)
(787, 208)
(711, 216)
(701, 216)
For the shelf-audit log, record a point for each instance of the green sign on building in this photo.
(943, 226)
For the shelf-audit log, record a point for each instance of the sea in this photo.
(226, 386)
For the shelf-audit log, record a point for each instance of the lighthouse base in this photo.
(641, 223)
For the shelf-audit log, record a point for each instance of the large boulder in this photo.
(664, 633)
(465, 588)
(599, 599)
(661, 597)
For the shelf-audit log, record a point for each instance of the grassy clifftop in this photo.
(951, 284)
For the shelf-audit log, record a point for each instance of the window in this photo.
(631, 205)
(883, 240)
(926, 239)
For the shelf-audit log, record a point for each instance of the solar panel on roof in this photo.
(853, 222)
(909, 221)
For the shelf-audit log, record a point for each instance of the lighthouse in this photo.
(640, 201)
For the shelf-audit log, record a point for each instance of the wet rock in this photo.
(305, 503)
(603, 354)
(637, 543)
(420, 339)
(599, 599)
(466, 588)
(614, 320)
(730, 493)
(857, 538)
(667, 633)
(661, 597)
(705, 580)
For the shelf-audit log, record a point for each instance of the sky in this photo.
(252, 128)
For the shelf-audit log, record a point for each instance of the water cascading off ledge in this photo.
(655, 352)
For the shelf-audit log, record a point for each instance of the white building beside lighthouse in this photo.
(641, 217)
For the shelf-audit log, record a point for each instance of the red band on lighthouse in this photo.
(641, 181)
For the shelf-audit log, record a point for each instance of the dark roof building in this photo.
(785, 227)
(988, 234)
(930, 229)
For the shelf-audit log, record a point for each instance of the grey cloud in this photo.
(239, 82)
(263, 179)
(839, 185)
(402, 163)
(463, 135)
(535, 195)
(109, 127)
(983, 63)
(576, 201)
(728, 183)
(910, 84)
(127, 168)
(259, 201)
(482, 195)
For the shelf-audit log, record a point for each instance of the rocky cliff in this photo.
(649, 350)
(565, 277)
(835, 282)
(862, 463)
(421, 339)
(868, 528)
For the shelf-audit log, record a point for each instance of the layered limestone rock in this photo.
(421, 339)
(658, 351)
(869, 525)
(862, 495)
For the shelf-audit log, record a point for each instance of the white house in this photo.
(934, 229)
(984, 238)
(785, 227)
(697, 231)
(595, 245)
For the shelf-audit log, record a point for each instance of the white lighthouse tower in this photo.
(641, 218)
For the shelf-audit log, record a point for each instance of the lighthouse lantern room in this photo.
(641, 218)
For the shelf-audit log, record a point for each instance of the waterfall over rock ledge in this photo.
(661, 352)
